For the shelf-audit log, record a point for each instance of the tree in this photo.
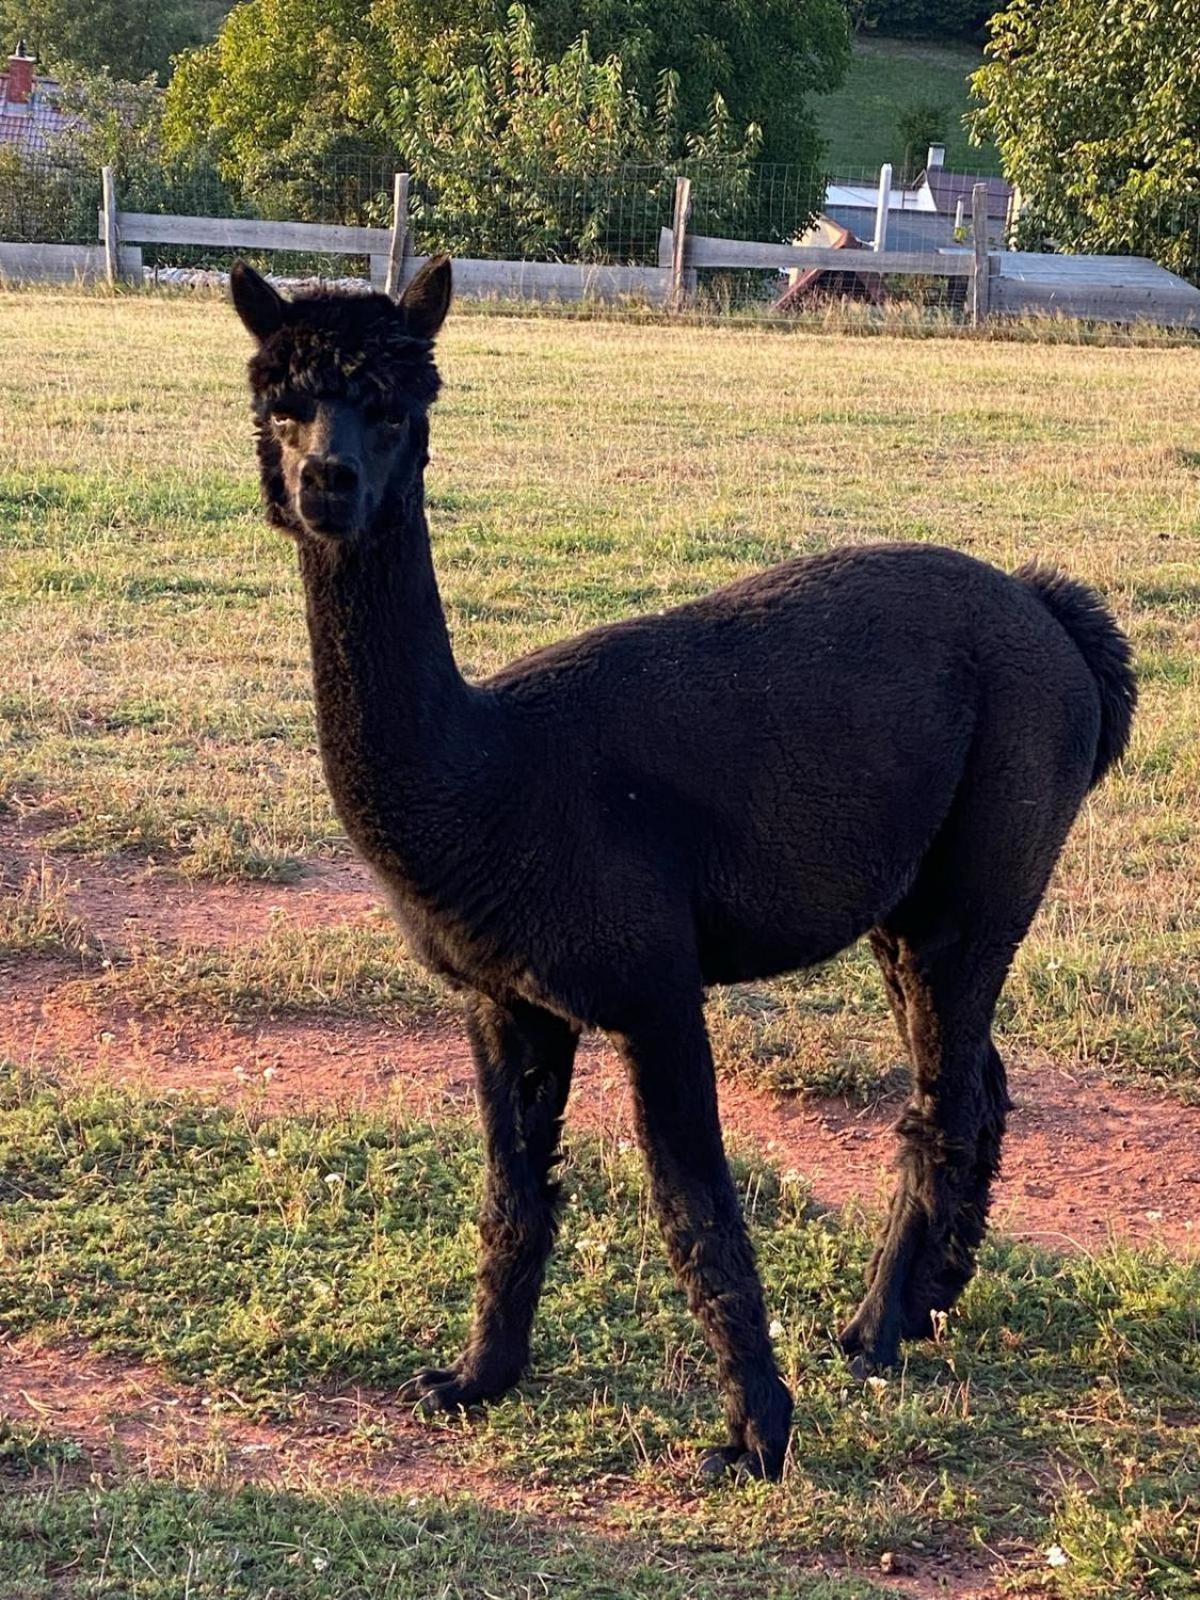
(286, 73)
(1094, 106)
(133, 38)
(513, 152)
(523, 154)
(920, 124)
(763, 57)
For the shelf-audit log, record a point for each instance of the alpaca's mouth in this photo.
(332, 515)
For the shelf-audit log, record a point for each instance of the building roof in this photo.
(948, 188)
(33, 125)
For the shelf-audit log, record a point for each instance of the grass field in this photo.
(156, 721)
(860, 120)
(263, 1257)
(156, 700)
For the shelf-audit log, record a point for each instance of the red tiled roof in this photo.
(32, 126)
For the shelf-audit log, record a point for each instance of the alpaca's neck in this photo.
(392, 708)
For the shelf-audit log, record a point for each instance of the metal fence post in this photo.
(980, 266)
(395, 269)
(683, 208)
(112, 259)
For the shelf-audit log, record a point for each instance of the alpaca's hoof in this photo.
(436, 1389)
(736, 1462)
(440, 1389)
(868, 1348)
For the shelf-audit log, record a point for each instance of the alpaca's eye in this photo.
(284, 412)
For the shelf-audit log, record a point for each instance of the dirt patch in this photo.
(1084, 1160)
(127, 1419)
(132, 900)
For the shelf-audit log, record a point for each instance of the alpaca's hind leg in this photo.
(950, 1136)
(523, 1062)
(945, 952)
(675, 1101)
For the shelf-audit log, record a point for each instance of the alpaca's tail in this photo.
(1100, 642)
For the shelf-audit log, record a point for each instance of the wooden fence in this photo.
(1114, 289)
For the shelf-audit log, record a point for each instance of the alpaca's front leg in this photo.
(675, 1100)
(523, 1062)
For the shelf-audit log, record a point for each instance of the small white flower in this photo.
(624, 1146)
(319, 1563)
(877, 1385)
(268, 1074)
(1056, 1556)
(791, 1179)
(776, 1329)
(334, 1178)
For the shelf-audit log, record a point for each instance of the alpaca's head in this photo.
(341, 384)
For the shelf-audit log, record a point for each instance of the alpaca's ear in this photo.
(427, 299)
(260, 307)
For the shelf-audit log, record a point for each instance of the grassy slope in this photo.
(886, 77)
(258, 1256)
(154, 691)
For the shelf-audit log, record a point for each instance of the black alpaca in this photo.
(891, 740)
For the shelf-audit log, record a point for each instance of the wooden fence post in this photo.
(980, 266)
(112, 243)
(683, 209)
(882, 204)
(399, 245)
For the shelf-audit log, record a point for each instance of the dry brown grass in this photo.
(154, 692)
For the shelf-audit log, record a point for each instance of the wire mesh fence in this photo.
(607, 215)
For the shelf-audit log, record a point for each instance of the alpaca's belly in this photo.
(736, 950)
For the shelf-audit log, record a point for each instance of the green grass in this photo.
(159, 1542)
(263, 1257)
(860, 120)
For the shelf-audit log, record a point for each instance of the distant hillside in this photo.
(886, 77)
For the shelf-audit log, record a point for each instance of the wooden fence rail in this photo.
(701, 251)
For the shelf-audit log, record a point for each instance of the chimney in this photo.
(20, 77)
(936, 157)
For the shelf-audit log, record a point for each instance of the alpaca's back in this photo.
(775, 759)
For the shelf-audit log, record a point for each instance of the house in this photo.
(923, 215)
(29, 116)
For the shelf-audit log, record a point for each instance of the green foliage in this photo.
(51, 196)
(763, 57)
(134, 38)
(1094, 106)
(519, 150)
(921, 19)
(514, 152)
(512, 125)
(44, 203)
(920, 124)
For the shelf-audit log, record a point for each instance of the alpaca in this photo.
(890, 741)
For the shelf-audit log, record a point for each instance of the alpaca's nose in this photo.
(328, 475)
